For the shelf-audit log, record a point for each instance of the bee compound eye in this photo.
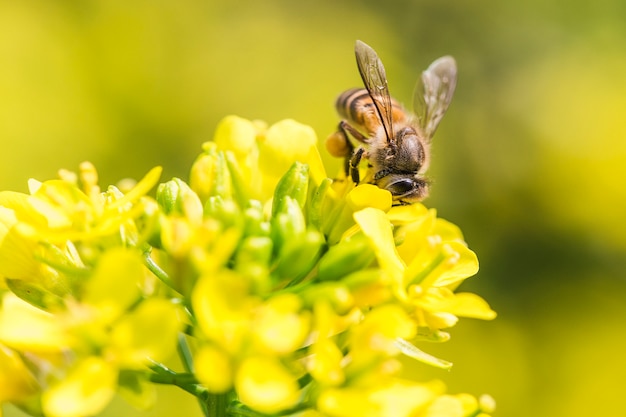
(401, 186)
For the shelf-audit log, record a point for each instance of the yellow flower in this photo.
(262, 155)
(281, 145)
(224, 307)
(214, 368)
(460, 405)
(86, 390)
(427, 266)
(16, 381)
(376, 335)
(145, 335)
(54, 227)
(107, 329)
(391, 398)
(24, 327)
(17, 254)
(295, 292)
(279, 325)
(71, 214)
(264, 384)
(325, 363)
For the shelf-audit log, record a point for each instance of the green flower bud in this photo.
(368, 287)
(334, 293)
(254, 220)
(253, 259)
(299, 256)
(294, 184)
(226, 211)
(288, 224)
(210, 175)
(176, 197)
(349, 255)
(241, 189)
(254, 249)
(167, 195)
(315, 203)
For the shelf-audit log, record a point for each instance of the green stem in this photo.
(237, 409)
(156, 270)
(180, 380)
(185, 353)
(217, 405)
(205, 399)
(163, 375)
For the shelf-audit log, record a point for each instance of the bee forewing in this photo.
(433, 94)
(375, 80)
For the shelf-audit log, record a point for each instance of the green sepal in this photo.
(254, 220)
(299, 256)
(221, 185)
(35, 294)
(168, 195)
(288, 224)
(294, 184)
(349, 255)
(314, 212)
(241, 189)
(254, 250)
(253, 259)
(335, 293)
(226, 211)
(210, 175)
(410, 350)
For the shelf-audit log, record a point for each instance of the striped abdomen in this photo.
(356, 106)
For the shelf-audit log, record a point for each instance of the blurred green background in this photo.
(529, 161)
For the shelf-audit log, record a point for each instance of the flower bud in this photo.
(210, 175)
(253, 260)
(299, 256)
(226, 211)
(336, 294)
(316, 203)
(288, 224)
(254, 220)
(349, 255)
(293, 184)
(176, 197)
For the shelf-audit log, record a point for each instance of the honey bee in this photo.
(395, 143)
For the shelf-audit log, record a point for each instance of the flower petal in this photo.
(85, 391)
(25, 327)
(265, 385)
(368, 195)
(466, 304)
(149, 332)
(283, 144)
(377, 228)
(114, 285)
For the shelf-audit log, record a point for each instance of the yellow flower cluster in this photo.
(78, 305)
(285, 292)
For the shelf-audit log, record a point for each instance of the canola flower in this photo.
(283, 292)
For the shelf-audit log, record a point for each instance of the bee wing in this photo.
(433, 94)
(375, 80)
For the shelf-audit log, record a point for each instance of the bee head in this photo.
(405, 189)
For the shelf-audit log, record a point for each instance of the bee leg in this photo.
(349, 165)
(346, 165)
(346, 128)
(348, 147)
(355, 160)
